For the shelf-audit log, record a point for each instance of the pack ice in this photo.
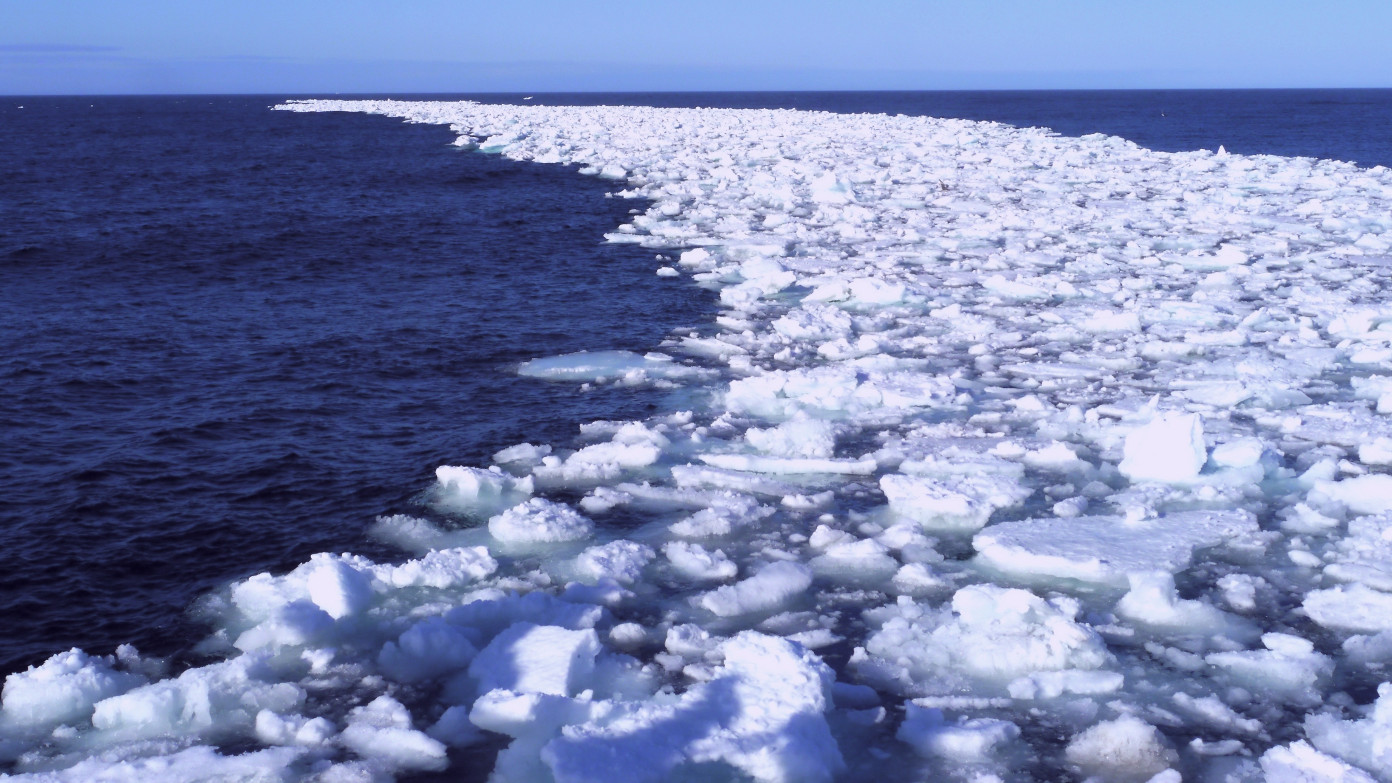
(1009, 456)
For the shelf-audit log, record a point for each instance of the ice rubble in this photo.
(1013, 456)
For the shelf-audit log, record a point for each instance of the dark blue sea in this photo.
(232, 337)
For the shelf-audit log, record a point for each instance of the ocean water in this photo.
(233, 337)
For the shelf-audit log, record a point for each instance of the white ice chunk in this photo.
(1053, 684)
(1106, 549)
(824, 536)
(800, 437)
(63, 689)
(1169, 449)
(770, 589)
(918, 578)
(337, 587)
(814, 322)
(991, 637)
(381, 731)
(529, 658)
(834, 390)
(522, 453)
(759, 717)
(875, 291)
(417, 535)
(1298, 762)
(296, 624)
(965, 741)
(827, 188)
(1378, 452)
(1153, 602)
(1350, 608)
(540, 521)
(1366, 743)
(962, 503)
(1212, 711)
(1239, 453)
(1370, 494)
(737, 512)
(695, 562)
(220, 699)
(1017, 290)
(1289, 669)
(275, 729)
(623, 367)
(632, 447)
(866, 559)
(628, 635)
(441, 568)
(480, 491)
(1125, 750)
(175, 764)
(428, 649)
(623, 561)
(790, 465)
(300, 606)
(1055, 457)
(490, 616)
(621, 454)
(455, 729)
(1365, 553)
(1111, 322)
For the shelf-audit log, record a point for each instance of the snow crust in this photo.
(1009, 456)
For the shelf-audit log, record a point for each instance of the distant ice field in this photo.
(1008, 455)
(1336, 124)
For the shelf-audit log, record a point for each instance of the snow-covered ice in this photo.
(1008, 456)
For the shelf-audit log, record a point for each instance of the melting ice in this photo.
(1011, 456)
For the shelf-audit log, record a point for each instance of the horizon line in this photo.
(313, 94)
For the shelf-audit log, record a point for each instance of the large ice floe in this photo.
(1009, 456)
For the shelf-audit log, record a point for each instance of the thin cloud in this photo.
(56, 49)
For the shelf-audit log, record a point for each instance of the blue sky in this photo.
(303, 46)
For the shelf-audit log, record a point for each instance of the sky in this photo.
(411, 46)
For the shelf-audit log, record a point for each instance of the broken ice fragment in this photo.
(1169, 449)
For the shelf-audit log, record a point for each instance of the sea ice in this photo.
(948, 354)
(1170, 448)
(967, 741)
(694, 561)
(769, 589)
(480, 491)
(960, 503)
(759, 717)
(539, 521)
(382, 731)
(1122, 750)
(988, 640)
(63, 689)
(1350, 608)
(529, 658)
(621, 561)
(623, 367)
(1106, 550)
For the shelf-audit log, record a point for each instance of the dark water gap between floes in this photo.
(236, 336)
